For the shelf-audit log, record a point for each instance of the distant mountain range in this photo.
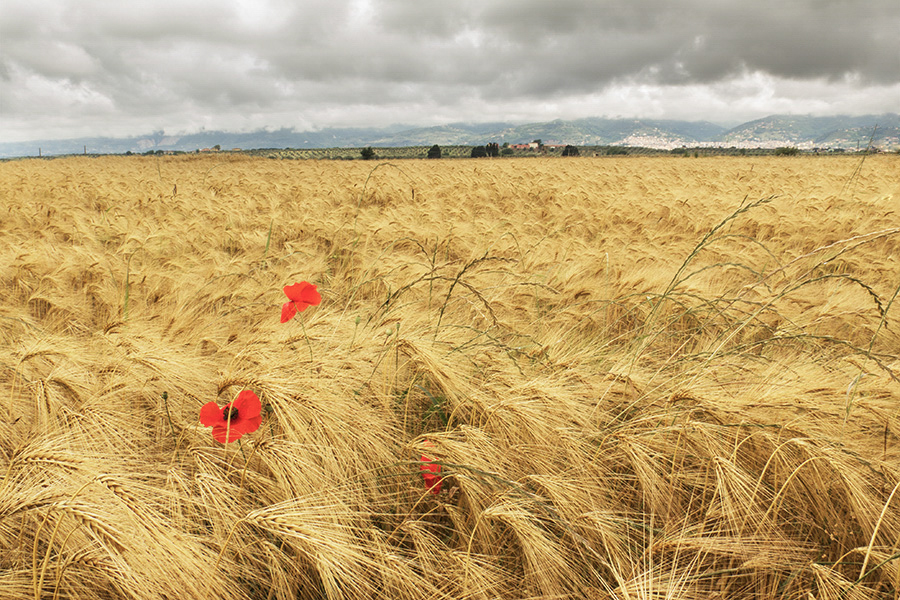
(803, 132)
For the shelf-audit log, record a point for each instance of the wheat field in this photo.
(642, 378)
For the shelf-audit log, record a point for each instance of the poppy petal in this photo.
(303, 293)
(430, 474)
(252, 424)
(310, 295)
(432, 483)
(288, 310)
(247, 404)
(211, 415)
(225, 434)
(295, 292)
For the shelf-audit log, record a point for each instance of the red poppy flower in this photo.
(301, 295)
(431, 475)
(234, 419)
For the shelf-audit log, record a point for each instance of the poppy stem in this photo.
(225, 445)
(127, 288)
(269, 239)
(355, 329)
(306, 335)
(165, 397)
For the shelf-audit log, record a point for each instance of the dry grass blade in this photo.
(640, 378)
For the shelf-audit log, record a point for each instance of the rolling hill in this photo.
(777, 130)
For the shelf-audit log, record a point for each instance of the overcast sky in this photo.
(72, 68)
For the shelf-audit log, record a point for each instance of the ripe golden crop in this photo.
(635, 376)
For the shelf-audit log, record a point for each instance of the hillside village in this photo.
(872, 133)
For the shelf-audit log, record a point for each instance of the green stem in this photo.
(306, 335)
(269, 239)
(165, 397)
(127, 287)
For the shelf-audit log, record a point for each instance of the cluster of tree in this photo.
(492, 149)
(156, 152)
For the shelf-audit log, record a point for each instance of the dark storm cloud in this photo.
(800, 41)
(251, 63)
(567, 43)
